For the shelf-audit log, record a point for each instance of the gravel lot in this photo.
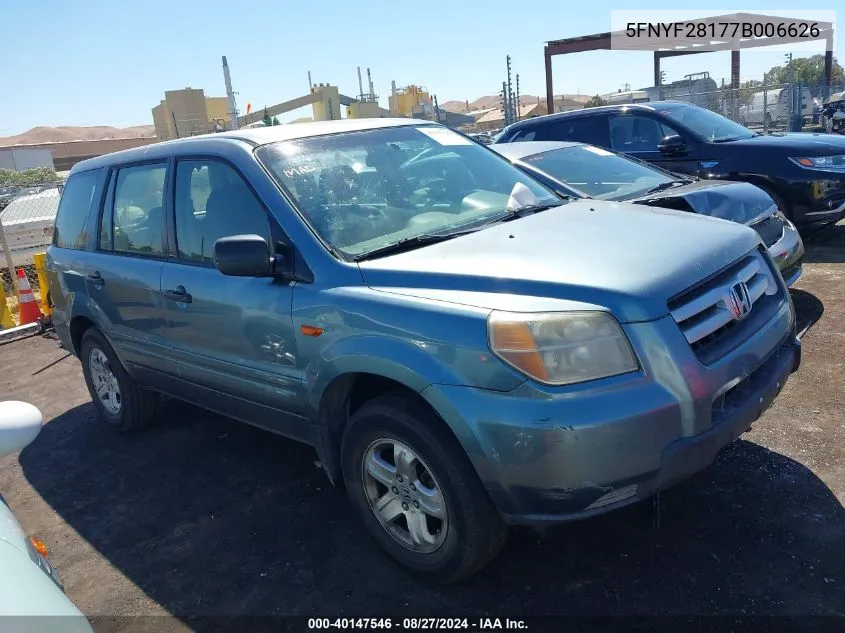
(201, 515)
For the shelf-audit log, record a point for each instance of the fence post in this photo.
(765, 108)
(40, 260)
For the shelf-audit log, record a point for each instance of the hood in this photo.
(802, 142)
(624, 257)
(735, 201)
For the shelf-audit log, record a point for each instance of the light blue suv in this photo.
(464, 349)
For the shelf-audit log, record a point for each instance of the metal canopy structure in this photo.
(676, 46)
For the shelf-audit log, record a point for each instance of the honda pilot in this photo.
(464, 349)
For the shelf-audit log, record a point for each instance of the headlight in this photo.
(561, 348)
(780, 216)
(821, 162)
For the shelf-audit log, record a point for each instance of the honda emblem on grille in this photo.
(740, 300)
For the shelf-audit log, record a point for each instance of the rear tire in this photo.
(120, 401)
(444, 528)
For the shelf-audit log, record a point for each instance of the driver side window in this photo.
(635, 133)
(213, 201)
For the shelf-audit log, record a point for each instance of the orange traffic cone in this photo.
(28, 311)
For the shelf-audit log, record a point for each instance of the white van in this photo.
(776, 102)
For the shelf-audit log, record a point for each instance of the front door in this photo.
(639, 134)
(231, 337)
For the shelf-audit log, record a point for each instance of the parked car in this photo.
(28, 222)
(464, 349)
(804, 173)
(833, 113)
(587, 171)
(29, 584)
(7, 194)
(772, 107)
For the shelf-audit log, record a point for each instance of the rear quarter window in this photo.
(72, 218)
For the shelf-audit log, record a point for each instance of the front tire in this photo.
(120, 401)
(416, 492)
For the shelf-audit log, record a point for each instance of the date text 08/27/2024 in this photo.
(417, 624)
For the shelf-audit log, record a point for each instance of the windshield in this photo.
(707, 124)
(598, 172)
(362, 191)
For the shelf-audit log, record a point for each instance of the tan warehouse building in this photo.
(189, 112)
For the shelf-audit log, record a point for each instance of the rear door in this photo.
(638, 134)
(232, 337)
(123, 274)
(74, 234)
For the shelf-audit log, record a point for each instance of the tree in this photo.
(28, 177)
(276, 121)
(808, 71)
(267, 120)
(594, 102)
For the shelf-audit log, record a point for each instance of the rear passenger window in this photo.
(72, 228)
(213, 201)
(138, 214)
(587, 129)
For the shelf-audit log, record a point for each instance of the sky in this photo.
(104, 62)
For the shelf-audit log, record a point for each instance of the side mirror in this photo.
(20, 423)
(243, 256)
(672, 145)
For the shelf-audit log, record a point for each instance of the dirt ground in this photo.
(201, 515)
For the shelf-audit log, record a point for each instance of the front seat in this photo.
(231, 210)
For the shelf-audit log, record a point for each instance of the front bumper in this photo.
(550, 455)
(820, 199)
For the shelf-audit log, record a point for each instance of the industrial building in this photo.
(20, 159)
(189, 112)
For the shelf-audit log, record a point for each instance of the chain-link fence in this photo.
(761, 107)
(27, 218)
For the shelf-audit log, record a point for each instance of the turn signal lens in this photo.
(561, 348)
(515, 343)
(39, 546)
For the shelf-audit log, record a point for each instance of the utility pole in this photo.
(505, 115)
(230, 95)
(509, 96)
(436, 109)
(516, 117)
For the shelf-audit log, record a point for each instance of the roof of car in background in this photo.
(523, 149)
(254, 136)
(660, 106)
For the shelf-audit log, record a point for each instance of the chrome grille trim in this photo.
(705, 311)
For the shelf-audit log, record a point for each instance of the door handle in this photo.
(96, 279)
(178, 294)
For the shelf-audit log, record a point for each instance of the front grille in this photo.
(704, 312)
(770, 229)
